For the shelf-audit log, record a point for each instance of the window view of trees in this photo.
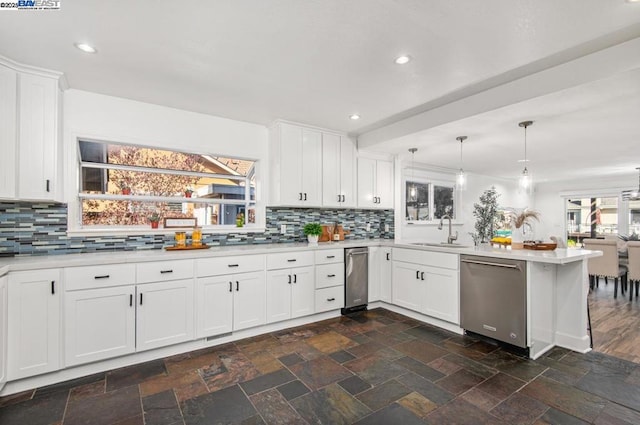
(124, 185)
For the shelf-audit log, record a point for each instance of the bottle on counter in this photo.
(336, 232)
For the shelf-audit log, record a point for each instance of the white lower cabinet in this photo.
(379, 274)
(329, 298)
(99, 324)
(33, 323)
(249, 301)
(408, 289)
(442, 300)
(290, 293)
(3, 331)
(164, 314)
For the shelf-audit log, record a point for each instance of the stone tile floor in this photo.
(376, 367)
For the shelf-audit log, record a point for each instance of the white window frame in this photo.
(76, 228)
(432, 179)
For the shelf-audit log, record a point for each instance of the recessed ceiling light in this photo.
(401, 60)
(86, 47)
(354, 117)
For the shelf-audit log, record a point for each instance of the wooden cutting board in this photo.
(326, 236)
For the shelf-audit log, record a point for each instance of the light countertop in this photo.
(558, 256)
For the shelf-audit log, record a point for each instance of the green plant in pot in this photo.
(154, 219)
(313, 232)
(486, 214)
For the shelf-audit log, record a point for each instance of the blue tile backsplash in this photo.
(41, 229)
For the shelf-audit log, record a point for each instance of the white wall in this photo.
(507, 189)
(114, 119)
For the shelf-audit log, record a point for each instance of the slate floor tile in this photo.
(611, 386)
(87, 390)
(319, 372)
(366, 349)
(466, 351)
(513, 365)
(265, 382)
(519, 410)
(382, 395)
(291, 359)
(133, 375)
(264, 361)
(44, 410)
(16, 398)
(459, 382)
(444, 366)
(162, 383)
(293, 389)
(274, 409)
(421, 350)
(105, 409)
(341, 356)
(556, 417)
(480, 399)
(229, 405)
(236, 367)
(563, 397)
(417, 404)
(330, 405)
(354, 385)
(392, 414)
(389, 339)
(374, 369)
(501, 385)
(419, 368)
(329, 342)
(67, 385)
(426, 388)
(459, 412)
(471, 365)
(429, 334)
(161, 409)
(614, 414)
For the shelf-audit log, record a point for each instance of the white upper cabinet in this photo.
(30, 104)
(375, 183)
(296, 166)
(338, 171)
(8, 102)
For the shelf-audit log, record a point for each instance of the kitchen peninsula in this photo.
(162, 303)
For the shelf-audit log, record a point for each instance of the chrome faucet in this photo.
(451, 237)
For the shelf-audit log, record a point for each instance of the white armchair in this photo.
(606, 266)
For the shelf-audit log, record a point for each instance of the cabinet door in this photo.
(290, 165)
(33, 323)
(331, 194)
(407, 286)
(99, 324)
(385, 274)
(38, 137)
(374, 273)
(311, 161)
(303, 291)
(366, 182)
(8, 108)
(279, 295)
(3, 330)
(165, 314)
(249, 300)
(384, 184)
(214, 309)
(347, 173)
(442, 294)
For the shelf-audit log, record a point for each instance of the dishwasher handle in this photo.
(357, 253)
(486, 263)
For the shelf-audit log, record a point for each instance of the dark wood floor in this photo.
(615, 323)
(377, 367)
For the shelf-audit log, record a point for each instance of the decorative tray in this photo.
(186, 247)
(540, 246)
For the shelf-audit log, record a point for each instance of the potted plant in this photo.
(520, 220)
(188, 192)
(486, 214)
(313, 232)
(154, 219)
(239, 219)
(124, 187)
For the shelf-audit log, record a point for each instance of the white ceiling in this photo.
(318, 61)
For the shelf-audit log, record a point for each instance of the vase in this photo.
(313, 239)
(154, 224)
(187, 194)
(517, 238)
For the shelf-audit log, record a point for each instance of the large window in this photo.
(591, 217)
(428, 201)
(124, 185)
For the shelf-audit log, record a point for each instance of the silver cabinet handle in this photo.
(331, 256)
(331, 299)
(331, 275)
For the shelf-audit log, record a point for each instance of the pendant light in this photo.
(461, 178)
(525, 182)
(413, 190)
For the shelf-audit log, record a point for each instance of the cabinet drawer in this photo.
(329, 298)
(228, 265)
(329, 275)
(90, 277)
(286, 260)
(426, 258)
(326, 256)
(158, 271)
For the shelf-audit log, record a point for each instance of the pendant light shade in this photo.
(413, 190)
(461, 177)
(525, 182)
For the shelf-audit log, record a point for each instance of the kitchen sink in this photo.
(441, 244)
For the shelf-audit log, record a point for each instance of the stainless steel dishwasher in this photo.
(493, 298)
(356, 273)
